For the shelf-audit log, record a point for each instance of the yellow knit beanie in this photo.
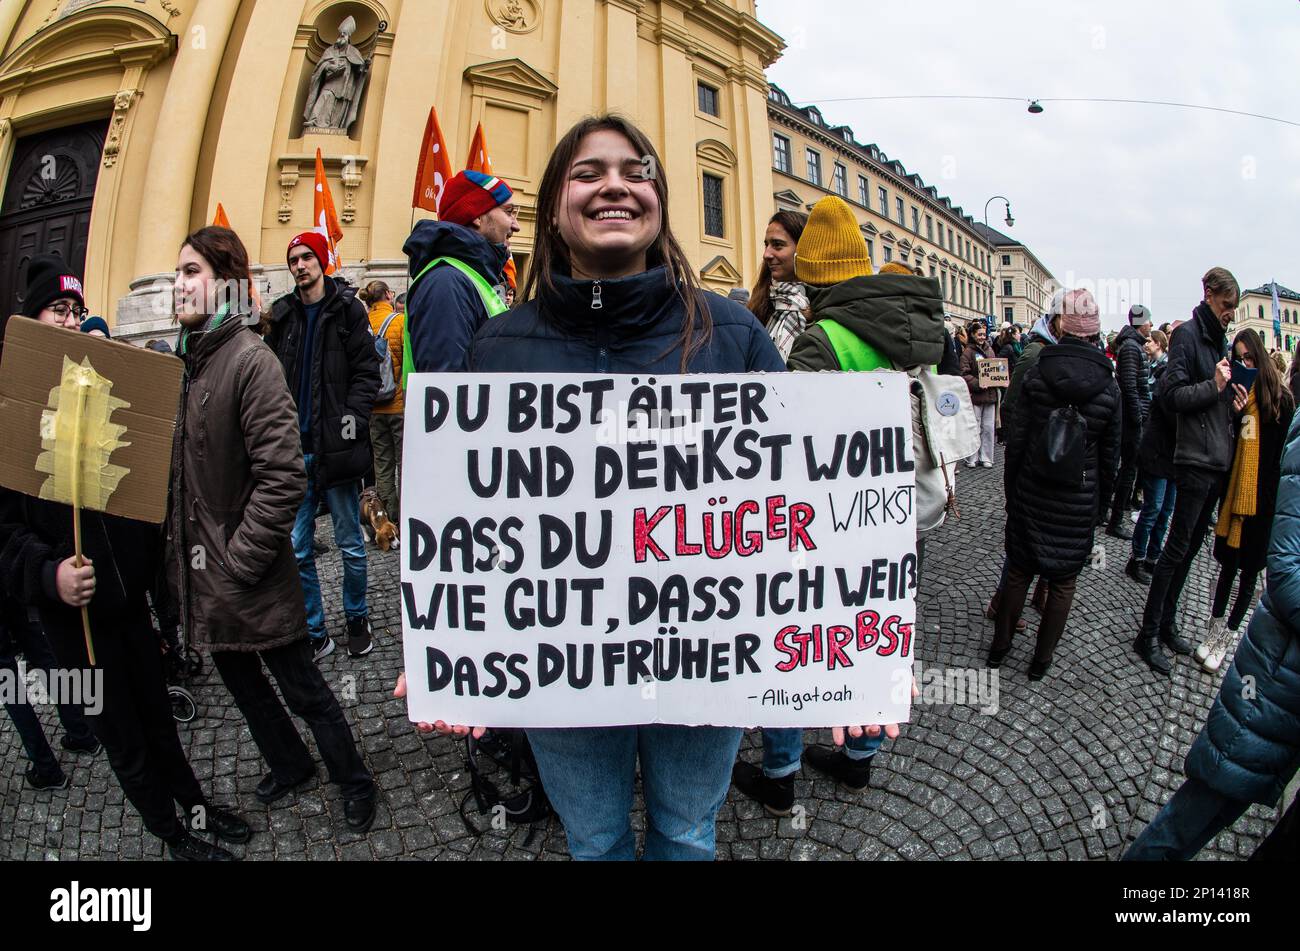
(893, 267)
(831, 248)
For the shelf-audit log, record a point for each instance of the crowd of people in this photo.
(289, 410)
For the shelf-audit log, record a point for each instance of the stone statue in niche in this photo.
(334, 95)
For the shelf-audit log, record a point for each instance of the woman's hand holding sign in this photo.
(399, 693)
(872, 730)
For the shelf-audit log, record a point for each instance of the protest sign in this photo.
(709, 549)
(126, 426)
(995, 373)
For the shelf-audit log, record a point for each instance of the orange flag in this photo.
(481, 161)
(435, 166)
(325, 218)
(221, 221)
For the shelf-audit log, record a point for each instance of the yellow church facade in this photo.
(124, 122)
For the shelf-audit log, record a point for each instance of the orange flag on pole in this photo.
(325, 218)
(221, 221)
(435, 166)
(481, 161)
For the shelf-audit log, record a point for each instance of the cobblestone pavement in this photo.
(1068, 768)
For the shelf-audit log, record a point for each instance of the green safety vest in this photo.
(492, 303)
(852, 351)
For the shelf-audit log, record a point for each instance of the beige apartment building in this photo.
(124, 122)
(901, 217)
(1023, 286)
(1255, 312)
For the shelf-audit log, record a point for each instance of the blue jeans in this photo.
(344, 503)
(588, 774)
(1194, 816)
(783, 748)
(1157, 505)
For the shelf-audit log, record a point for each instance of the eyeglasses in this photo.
(64, 311)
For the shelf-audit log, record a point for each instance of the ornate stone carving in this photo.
(515, 16)
(334, 94)
(122, 104)
(351, 182)
(289, 175)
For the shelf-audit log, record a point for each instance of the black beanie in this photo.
(49, 279)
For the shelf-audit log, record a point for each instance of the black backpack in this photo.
(509, 750)
(1063, 446)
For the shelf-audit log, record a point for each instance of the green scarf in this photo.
(210, 325)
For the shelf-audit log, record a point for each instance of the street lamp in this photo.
(1010, 221)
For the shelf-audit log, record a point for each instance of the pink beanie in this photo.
(1079, 314)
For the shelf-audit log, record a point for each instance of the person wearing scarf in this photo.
(1248, 505)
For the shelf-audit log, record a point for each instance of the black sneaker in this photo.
(1150, 652)
(854, 774)
(271, 790)
(1176, 643)
(223, 825)
(38, 781)
(321, 647)
(1117, 528)
(188, 848)
(359, 642)
(775, 795)
(1038, 669)
(360, 813)
(90, 745)
(1137, 570)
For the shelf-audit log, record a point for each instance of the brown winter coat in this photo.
(237, 482)
(971, 373)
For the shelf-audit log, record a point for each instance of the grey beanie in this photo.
(1138, 315)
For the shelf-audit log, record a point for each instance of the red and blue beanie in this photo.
(471, 194)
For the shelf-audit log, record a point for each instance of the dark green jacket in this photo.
(898, 315)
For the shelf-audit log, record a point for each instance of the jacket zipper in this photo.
(596, 302)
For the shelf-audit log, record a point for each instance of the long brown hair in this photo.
(1270, 393)
(551, 253)
(760, 301)
(228, 258)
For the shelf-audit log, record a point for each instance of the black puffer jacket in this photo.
(1156, 451)
(1050, 529)
(344, 378)
(1203, 411)
(1132, 372)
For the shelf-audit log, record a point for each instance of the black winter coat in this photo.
(36, 535)
(1050, 529)
(634, 331)
(1156, 451)
(345, 378)
(1132, 373)
(1203, 412)
(950, 364)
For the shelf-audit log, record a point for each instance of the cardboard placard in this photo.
(610, 550)
(137, 395)
(995, 373)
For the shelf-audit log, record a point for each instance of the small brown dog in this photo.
(382, 531)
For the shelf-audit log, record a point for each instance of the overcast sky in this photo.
(1147, 197)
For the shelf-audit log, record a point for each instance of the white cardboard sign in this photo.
(604, 550)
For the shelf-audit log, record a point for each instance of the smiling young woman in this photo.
(610, 291)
